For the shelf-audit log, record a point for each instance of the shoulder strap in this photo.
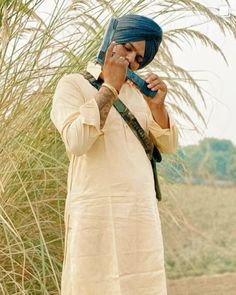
(131, 121)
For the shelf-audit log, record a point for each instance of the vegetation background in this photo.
(35, 54)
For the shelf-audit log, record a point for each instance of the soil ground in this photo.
(223, 284)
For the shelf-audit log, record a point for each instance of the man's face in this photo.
(134, 51)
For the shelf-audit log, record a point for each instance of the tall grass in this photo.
(35, 54)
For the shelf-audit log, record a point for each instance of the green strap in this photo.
(135, 126)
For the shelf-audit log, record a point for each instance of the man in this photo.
(113, 242)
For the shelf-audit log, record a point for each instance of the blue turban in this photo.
(133, 28)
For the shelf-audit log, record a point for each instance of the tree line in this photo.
(211, 161)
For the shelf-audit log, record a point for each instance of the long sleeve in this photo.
(77, 120)
(165, 139)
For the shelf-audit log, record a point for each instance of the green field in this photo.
(199, 229)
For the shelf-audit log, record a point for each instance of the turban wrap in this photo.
(133, 28)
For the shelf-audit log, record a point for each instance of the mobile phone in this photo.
(108, 38)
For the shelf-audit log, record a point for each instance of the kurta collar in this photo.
(94, 69)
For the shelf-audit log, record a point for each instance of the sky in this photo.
(220, 87)
(219, 84)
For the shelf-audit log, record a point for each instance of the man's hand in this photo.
(156, 104)
(155, 84)
(115, 68)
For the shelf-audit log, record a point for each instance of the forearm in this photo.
(160, 115)
(166, 139)
(104, 99)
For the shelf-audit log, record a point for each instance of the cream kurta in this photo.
(113, 243)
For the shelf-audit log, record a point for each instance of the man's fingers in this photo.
(110, 50)
(149, 78)
(123, 59)
(116, 57)
(147, 75)
(157, 86)
(155, 83)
